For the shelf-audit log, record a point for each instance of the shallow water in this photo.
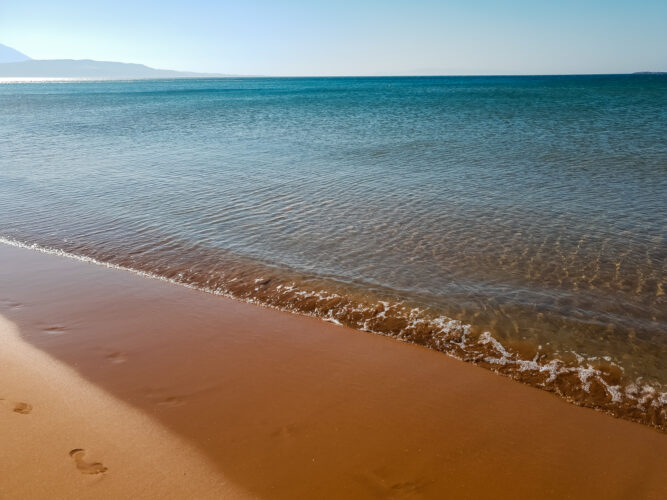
(516, 222)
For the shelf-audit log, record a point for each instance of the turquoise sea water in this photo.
(516, 222)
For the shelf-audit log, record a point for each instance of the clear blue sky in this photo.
(364, 37)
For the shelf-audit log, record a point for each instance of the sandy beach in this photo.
(113, 384)
(48, 411)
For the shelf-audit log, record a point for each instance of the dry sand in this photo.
(155, 380)
(54, 426)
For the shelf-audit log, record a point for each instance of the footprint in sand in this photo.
(171, 402)
(22, 408)
(83, 466)
(389, 486)
(162, 401)
(116, 358)
(11, 304)
(54, 330)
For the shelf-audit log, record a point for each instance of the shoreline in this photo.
(593, 381)
(286, 406)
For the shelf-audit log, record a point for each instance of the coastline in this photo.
(559, 286)
(597, 382)
(286, 406)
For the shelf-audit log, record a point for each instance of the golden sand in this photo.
(55, 426)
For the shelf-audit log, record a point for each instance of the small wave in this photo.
(596, 382)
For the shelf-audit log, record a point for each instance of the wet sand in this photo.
(149, 378)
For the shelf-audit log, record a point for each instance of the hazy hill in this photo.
(86, 68)
(14, 64)
(9, 55)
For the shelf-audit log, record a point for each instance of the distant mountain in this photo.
(9, 55)
(650, 73)
(14, 64)
(88, 69)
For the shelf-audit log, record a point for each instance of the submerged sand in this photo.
(181, 394)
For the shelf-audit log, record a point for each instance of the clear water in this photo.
(516, 222)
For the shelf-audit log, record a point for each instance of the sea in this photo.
(518, 223)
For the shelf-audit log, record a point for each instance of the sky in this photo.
(363, 37)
